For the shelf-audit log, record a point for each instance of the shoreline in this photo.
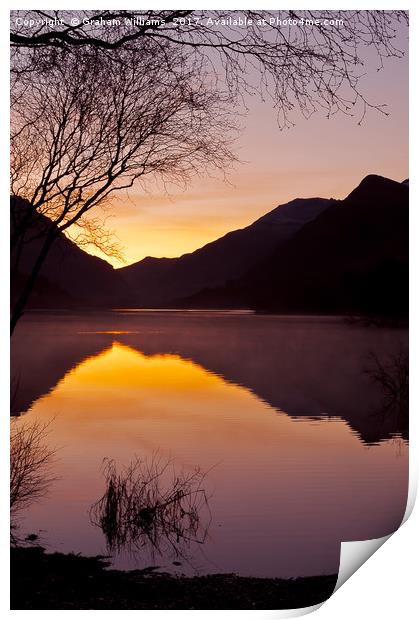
(41, 580)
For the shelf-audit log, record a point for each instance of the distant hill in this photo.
(69, 277)
(159, 281)
(353, 258)
(307, 256)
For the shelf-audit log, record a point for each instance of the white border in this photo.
(386, 585)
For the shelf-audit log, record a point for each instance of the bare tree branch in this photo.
(89, 124)
(30, 460)
(309, 59)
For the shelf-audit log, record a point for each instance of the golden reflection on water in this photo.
(284, 492)
(123, 384)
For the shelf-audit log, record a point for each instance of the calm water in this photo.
(278, 411)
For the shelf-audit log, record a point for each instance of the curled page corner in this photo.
(296, 613)
(353, 554)
(412, 494)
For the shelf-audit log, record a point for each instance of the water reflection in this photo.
(391, 375)
(205, 390)
(304, 367)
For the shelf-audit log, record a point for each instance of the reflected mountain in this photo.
(38, 365)
(303, 367)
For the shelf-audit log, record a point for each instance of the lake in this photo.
(281, 414)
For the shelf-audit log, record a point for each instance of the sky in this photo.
(317, 157)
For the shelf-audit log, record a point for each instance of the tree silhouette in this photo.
(309, 58)
(30, 464)
(96, 109)
(90, 124)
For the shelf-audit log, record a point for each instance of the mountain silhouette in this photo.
(353, 258)
(307, 256)
(159, 281)
(69, 276)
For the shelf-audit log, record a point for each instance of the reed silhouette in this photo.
(150, 505)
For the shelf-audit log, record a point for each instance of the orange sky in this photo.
(317, 157)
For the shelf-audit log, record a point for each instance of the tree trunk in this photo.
(23, 298)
